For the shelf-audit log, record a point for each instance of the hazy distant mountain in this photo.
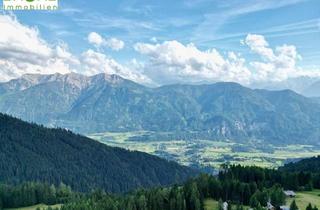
(33, 153)
(218, 111)
(307, 86)
(317, 99)
(313, 90)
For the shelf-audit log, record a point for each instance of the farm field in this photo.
(304, 198)
(210, 204)
(41, 206)
(201, 152)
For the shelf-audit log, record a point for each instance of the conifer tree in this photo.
(294, 206)
(309, 207)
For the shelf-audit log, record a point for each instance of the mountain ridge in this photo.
(305, 85)
(214, 111)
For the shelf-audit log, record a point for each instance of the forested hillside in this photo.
(307, 165)
(237, 185)
(240, 186)
(29, 152)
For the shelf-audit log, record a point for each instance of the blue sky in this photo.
(208, 24)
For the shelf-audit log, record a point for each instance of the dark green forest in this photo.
(55, 166)
(307, 165)
(32, 193)
(32, 153)
(250, 186)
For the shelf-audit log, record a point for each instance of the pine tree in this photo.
(131, 204)
(247, 194)
(194, 198)
(259, 207)
(254, 202)
(239, 207)
(277, 196)
(142, 203)
(1, 202)
(309, 207)
(294, 206)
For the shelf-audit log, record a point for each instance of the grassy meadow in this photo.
(208, 152)
(211, 204)
(302, 200)
(41, 206)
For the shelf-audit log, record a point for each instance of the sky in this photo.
(166, 42)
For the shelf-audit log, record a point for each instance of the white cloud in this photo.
(154, 39)
(26, 52)
(172, 62)
(168, 62)
(98, 41)
(95, 39)
(278, 64)
(95, 62)
(259, 45)
(115, 44)
(22, 51)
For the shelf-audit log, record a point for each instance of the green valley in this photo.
(207, 152)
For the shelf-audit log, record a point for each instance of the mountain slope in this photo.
(317, 99)
(306, 165)
(29, 152)
(217, 111)
(37, 98)
(313, 90)
(305, 85)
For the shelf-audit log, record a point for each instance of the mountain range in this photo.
(304, 85)
(217, 111)
(29, 152)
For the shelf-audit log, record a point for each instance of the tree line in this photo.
(238, 185)
(33, 193)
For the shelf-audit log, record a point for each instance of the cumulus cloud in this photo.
(95, 39)
(26, 52)
(98, 41)
(172, 62)
(95, 62)
(259, 45)
(167, 63)
(276, 65)
(22, 51)
(115, 44)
